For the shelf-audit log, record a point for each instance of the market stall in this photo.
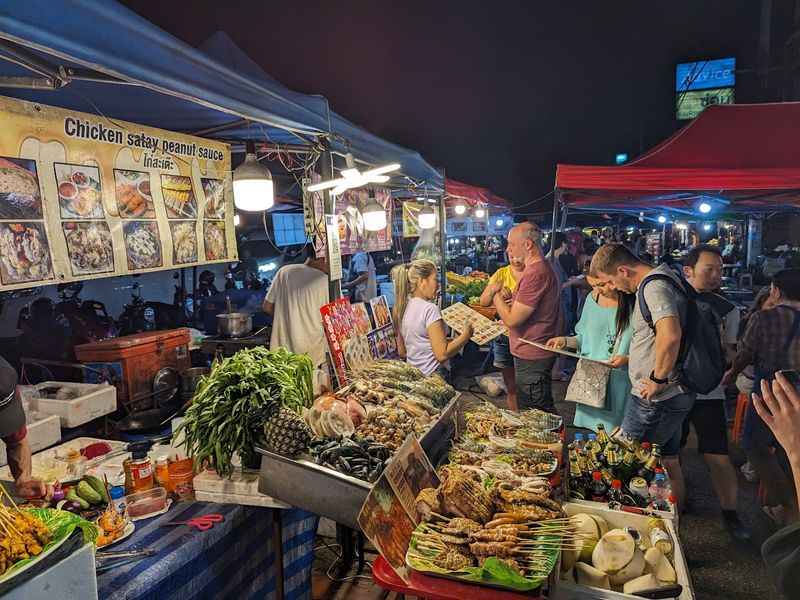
(732, 160)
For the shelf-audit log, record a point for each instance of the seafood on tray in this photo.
(142, 244)
(24, 253)
(89, 246)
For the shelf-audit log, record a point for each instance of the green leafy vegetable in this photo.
(232, 403)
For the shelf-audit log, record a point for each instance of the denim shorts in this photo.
(658, 422)
(501, 349)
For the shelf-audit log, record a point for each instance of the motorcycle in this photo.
(143, 315)
(50, 331)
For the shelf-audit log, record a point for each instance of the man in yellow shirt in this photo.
(504, 282)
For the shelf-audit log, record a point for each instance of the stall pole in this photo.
(329, 204)
(442, 238)
(194, 296)
(277, 548)
(556, 203)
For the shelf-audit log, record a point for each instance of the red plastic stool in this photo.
(742, 402)
(437, 588)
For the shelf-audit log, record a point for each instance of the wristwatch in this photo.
(657, 380)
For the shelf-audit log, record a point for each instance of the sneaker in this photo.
(749, 472)
(776, 513)
(737, 530)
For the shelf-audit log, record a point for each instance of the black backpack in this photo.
(701, 360)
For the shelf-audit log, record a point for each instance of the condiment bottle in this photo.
(598, 489)
(138, 472)
(117, 494)
(639, 489)
(162, 472)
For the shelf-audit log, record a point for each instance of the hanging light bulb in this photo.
(707, 227)
(426, 217)
(704, 208)
(662, 219)
(374, 215)
(480, 213)
(253, 189)
(499, 222)
(460, 209)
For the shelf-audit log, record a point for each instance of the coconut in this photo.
(588, 575)
(640, 584)
(614, 551)
(630, 571)
(659, 565)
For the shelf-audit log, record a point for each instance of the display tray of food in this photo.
(29, 534)
(495, 519)
(351, 435)
(621, 556)
(69, 461)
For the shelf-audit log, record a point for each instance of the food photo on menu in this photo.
(178, 197)
(361, 317)
(133, 194)
(79, 191)
(214, 192)
(184, 242)
(20, 196)
(380, 311)
(142, 244)
(89, 247)
(24, 253)
(214, 238)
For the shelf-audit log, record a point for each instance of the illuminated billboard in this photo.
(690, 104)
(705, 75)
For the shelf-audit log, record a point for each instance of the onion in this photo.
(58, 495)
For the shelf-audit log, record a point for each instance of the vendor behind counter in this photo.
(14, 434)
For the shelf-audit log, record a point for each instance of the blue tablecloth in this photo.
(233, 560)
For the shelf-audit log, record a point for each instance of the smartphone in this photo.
(793, 376)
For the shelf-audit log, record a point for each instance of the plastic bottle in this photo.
(598, 489)
(615, 494)
(658, 492)
(659, 536)
(579, 441)
(117, 494)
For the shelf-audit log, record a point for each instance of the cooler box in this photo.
(43, 432)
(132, 362)
(90, 401)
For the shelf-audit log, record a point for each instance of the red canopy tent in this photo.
(742, 158)
(457, 192)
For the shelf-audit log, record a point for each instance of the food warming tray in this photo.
(328, 493)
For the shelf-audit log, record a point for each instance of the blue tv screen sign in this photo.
(705, 75)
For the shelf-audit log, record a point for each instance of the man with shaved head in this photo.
(532, 313)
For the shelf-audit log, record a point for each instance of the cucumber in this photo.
(98, 486)
(72, 496)
(86, 492)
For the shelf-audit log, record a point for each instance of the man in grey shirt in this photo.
(658, 404)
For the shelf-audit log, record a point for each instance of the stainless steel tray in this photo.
(322, 491)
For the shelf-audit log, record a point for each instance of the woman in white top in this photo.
(421, 334)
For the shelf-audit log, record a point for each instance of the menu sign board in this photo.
(82, 197)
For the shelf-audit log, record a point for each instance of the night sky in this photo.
(495, 92)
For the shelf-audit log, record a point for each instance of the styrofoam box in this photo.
(569, 590)
(95, 400)
(42, 433)
(241, 488)
(664, 514)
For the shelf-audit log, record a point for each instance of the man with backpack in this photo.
(702, 268)
(672, 354)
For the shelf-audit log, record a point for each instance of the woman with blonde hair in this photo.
(421, 334)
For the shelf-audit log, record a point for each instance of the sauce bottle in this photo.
(138, 472)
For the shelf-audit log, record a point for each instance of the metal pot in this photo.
(189, 380)
(234, 325)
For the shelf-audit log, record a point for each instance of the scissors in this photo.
(201, 523)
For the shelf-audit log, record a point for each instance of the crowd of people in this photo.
(647, 323)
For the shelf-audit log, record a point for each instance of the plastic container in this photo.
(90, 402)
(134, 361)
(181, 476)
(142, 505)
(162, 473)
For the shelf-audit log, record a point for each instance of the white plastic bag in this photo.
(492, 384)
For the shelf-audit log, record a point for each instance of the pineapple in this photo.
(286, 433)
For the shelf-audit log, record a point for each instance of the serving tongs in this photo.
(118, 558)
